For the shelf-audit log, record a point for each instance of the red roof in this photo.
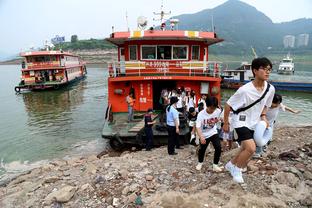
(118, 38)
(45, 53)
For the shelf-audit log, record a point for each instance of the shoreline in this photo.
(166, 181)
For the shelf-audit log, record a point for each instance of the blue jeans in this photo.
(130, 113)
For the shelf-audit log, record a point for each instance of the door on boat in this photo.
(158, 86)
(122, 60)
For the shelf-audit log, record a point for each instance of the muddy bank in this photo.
(282, 178)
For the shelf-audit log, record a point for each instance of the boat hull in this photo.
(279, 85)
(47, 85)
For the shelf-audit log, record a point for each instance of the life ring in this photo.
(262, 134)
(17, 89)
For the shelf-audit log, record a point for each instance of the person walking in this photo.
(207, 131)
(249, 105)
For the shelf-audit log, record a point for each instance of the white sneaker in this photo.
(237, 175)
(235, 172)
(216, 168)
(199, 166)
(229, 166)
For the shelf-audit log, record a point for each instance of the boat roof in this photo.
(45, 53)
(119, 38)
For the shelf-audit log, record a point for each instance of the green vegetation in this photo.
(76, 44)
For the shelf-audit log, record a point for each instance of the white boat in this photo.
(286, 66)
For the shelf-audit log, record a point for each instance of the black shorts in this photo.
(243, 133)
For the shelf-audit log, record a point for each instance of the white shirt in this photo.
(179, 103)
(207, 122)
(273, 113)
(202, 101)
(244, 96)
(191, 102)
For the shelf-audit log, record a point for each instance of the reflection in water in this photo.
(52, 108)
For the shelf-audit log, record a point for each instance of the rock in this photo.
(51, 179)
(62, 195)
(125, 191)
(116, 202)
(86, 187)
(289, 155)
(287, 178)
(91, 168)
(99, 179)
(149, 177)
(252, 167)
(307, 175)
(306, 201)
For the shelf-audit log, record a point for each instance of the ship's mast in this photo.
(162, 15)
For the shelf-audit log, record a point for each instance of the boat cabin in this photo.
(46, 69)
(152, 60)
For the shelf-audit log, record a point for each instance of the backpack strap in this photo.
(252, 104)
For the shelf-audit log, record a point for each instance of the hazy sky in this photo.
(26, 23)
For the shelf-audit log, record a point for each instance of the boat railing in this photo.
(165, 68)
(36, 65)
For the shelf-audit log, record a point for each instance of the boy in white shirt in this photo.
(249, 105)
(206, 126)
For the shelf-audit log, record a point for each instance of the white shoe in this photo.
(235, 172)
(199, 166)
(216, 168)
(229, 166)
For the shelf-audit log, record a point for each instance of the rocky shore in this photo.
(282, 178)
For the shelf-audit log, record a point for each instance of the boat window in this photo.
(132, 52)
(163, 52)
(195, 52)
(179, 52)
(148, 52)
(53, 58)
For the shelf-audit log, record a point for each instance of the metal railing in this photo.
(165, 68)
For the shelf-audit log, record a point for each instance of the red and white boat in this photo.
(149, 61)
(50, 70)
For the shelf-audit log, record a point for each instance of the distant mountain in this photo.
(243, 26)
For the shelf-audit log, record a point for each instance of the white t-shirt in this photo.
(207, 122)
(244, 96)
(273, 113)
(191, 102)
(179, 103)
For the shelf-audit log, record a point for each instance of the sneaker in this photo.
(216, 168)
(229, 166)
(237, 175)
(256, 156)
(235, 172)
(199, 166)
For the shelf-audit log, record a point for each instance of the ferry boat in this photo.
(49, 70)
(233, 79)
(286, 66)
(149, 61)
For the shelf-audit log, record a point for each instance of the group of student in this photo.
(249, 114)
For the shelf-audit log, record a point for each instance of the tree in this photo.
(74, 38)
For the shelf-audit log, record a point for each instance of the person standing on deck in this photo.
(172, 125)
(249, 105)
(130, 101)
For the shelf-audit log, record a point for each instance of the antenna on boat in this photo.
(127, 21)
(212, 24)
(162, 14)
